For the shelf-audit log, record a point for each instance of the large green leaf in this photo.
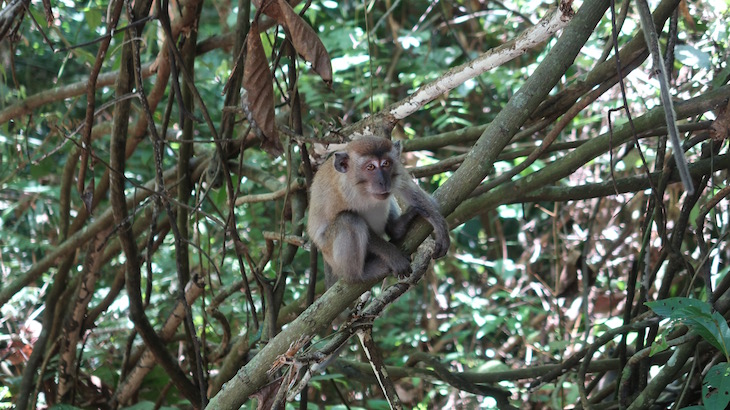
(716, 387)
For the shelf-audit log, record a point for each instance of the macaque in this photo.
(352, 206)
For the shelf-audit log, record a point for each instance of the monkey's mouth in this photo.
(381, 195)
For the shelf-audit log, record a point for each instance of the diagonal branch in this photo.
(652, 41)
(477, 164)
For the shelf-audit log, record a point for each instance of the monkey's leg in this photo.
(329, 277)
(358, 254)
(347, 238)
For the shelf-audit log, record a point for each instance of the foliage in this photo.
(712, 327)
(555, 256)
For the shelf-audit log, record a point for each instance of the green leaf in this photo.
(716, 387)
(724, 332)
(146, 405)
(698, 315)
(92, 17)
(668, 307)
(707, 327)
(659, 346)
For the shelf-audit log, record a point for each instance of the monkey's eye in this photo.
(385, 163)
(370, 167)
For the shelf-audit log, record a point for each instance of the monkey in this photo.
(352, 206)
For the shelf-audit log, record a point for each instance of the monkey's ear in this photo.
(341, 161)
(397, 148)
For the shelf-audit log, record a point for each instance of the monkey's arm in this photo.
(398, 225)
(356, 254)
(389, 256)
(424, 205)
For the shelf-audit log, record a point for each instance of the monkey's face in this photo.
(371, 174)
(369, 165)
(376, 171)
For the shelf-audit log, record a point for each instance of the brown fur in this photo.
(352, 206)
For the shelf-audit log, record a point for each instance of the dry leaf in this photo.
(720, 128)
(259, 86)
(267, 394)
(306, 42)
(303, 36)
(270, 8)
